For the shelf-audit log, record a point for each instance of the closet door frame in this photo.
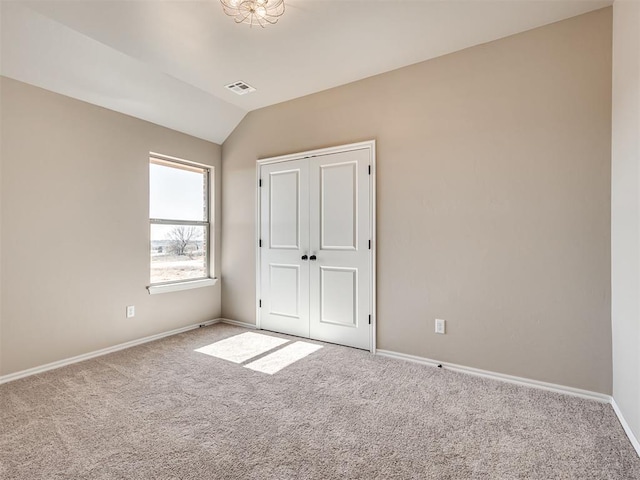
(367, 145)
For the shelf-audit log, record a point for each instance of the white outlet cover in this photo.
(440, 326)
(131, 311)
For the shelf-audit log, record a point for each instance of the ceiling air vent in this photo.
(240, 88)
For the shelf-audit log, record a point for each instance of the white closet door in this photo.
(284, 228)
(339, 222)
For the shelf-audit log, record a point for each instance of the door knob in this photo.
(304, 257)
(312, 257)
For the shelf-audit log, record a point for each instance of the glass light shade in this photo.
(254, 12)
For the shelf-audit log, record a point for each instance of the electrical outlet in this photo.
(440, 326)
(131, 311)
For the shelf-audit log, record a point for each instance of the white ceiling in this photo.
(168, 61)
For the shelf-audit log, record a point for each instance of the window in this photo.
(179, 221)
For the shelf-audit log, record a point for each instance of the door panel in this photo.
(338, 206)
(284, 217)
(339, 298)
(285, 290)
(284, 199)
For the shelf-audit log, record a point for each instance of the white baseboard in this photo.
(98, 353)
(552, 387)
(626, 427)
(237, 323)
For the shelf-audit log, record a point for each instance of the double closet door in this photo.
(315, 276)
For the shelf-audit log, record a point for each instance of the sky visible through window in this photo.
(176, 194)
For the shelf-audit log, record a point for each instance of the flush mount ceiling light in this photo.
(254, 12)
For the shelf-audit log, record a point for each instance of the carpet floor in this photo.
(164, 411)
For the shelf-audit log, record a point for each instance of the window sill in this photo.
(176, 287)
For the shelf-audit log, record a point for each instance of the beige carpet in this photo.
(165, 411)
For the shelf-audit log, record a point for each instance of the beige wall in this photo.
(625, 211)
(75, 228)
(493, 200)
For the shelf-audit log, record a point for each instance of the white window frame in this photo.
(209, 280)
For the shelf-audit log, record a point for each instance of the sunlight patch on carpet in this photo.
(276, 361)
(241, 348)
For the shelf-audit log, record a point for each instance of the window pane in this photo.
(178, 252)
(177, 193)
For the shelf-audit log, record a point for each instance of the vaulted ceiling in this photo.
(168, 61)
